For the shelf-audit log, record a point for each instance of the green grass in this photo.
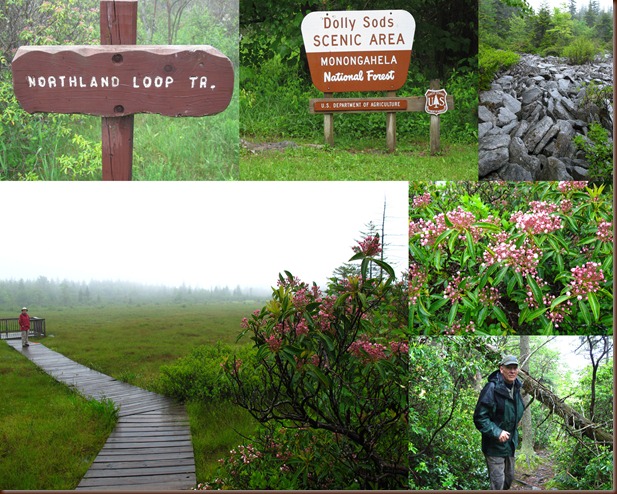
(129, 343)
(365, 160)
(167, 148)
(49, 435)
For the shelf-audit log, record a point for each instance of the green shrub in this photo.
(598, 149)
(492, 61)
(200, 374)
(581, 51)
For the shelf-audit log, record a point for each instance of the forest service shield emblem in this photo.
(436, 101)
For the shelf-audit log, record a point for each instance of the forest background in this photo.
(276, 88)
(578, 31)
(447, 375)
(68, 147)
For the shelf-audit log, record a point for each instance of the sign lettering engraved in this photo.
(123, 80)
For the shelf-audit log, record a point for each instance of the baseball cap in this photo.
(509, 360)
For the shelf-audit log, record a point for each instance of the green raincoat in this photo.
(497, 411)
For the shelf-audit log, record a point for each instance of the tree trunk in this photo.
(570, 416)
(556, 405)
(526, 422)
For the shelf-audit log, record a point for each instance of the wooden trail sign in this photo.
(123, 80)
(117, 81)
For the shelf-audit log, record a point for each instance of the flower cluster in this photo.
(523, 259)
(571, 185)
(422, 200)
(539, 220)
(605, 231)
(367, 351)
(370, 246)
(587, 279)
(458, 328)
(399, 348)
(453, 290)
(460, 220)
(417, 278)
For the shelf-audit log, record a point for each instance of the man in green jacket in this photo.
(498, 412)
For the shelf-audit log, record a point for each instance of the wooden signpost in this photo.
(362, 51)
(117, 81)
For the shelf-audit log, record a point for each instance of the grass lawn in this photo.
(49, 435)
(365, 160)
(129, 343)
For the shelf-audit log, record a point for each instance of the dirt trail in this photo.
(536, 479)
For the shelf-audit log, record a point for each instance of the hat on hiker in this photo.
(509, 360)
(25, 308)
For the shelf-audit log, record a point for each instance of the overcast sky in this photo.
(536, 4)
(202, 234)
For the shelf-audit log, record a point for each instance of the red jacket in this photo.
(24, 322)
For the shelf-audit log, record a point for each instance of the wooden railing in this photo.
(9, 328)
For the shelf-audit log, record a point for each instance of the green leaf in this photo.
(559, 300)
(584, 312)
(594, 304)
(535, 288)
(453, 312)
(501, 316)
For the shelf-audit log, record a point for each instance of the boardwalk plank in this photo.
(150, 449)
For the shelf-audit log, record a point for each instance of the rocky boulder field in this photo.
(531, 114)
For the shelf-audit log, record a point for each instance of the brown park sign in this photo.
(114, 81)
(358, 50)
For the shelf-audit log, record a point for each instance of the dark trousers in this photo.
(500, 471)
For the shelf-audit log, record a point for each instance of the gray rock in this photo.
(554, 170)
(511, 103)
(537, 132)
(483, 128)
(579, 173)
(564, 146)
(491, 160)
(516, 173)
(505, 116)
(485, 115)
(519, 155)
(492, 99)
(531, 95)
(552, 132)
(492, 142)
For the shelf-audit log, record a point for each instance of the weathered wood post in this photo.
(391, 126)
(328, 125)
(118, 20)
(434, 129)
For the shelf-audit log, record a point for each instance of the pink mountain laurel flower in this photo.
(370, 246)
(571, 185)
(523, 259)
(421, 200)
(458, 328)
(399, 347)
(417, 279)
(587, 279)
(605, 231)
(367, 351)
(453, 290)
(274, 342)
(537, 222)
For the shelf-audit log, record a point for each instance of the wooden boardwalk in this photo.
(150, 449)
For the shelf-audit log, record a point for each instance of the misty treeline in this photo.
(568, 422)
(44, 292)
(576, 24)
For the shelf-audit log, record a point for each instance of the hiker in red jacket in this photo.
(24, 326)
